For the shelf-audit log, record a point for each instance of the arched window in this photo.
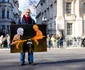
(3, 13)
(8, 14)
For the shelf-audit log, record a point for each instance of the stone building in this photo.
(9, 13)
(62, 16)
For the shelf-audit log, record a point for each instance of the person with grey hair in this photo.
(26, 20)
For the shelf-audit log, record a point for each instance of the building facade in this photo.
(66, 17)
(9, 13)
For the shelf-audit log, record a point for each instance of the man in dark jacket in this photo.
(26, 19)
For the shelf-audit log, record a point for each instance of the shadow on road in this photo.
(40, 65)
(64, 61)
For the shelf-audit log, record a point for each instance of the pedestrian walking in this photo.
(48, 41)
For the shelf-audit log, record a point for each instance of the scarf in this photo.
(26, 18)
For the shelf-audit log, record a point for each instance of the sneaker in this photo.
(21, 64)
(32, 63)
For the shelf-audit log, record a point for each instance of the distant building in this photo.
(62, 16)
(9, 13)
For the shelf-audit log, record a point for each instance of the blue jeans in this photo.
(8, 45)
(48, 44)
(30, 57)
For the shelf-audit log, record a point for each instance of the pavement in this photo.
(54, 59)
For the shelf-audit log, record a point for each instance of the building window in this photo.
(3, 27)
(68, 7)
(42, 1)
(45, 14)
(51, 11)
(8, 14)
(69, 28)
(48, 14)
(7, 1)
(84, 7)
(3, 0)
(3, 13)
(7, 27)
(55, 1)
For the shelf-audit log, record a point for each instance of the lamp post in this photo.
(44, 21)
(83, 18)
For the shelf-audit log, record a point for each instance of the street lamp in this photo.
(44, 19)
(83, 18)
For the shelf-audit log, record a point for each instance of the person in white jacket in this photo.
(1, 41)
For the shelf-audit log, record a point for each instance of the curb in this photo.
(4, 49)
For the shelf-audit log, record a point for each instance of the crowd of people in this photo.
(60, 42)
(76, 42)
(5, 41)
(53, 41)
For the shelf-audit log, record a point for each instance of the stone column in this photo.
(78, 8)
(79, 21)
(60, 20)
(73, 7)
(60, 8)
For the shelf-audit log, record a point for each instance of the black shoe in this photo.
(32, 63)
(22, 64)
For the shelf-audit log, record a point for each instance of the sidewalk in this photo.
(78, 47)
(70, 47)
(4, 49)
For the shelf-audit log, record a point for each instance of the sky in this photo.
(24, 4)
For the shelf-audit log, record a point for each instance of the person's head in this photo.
(48, 35)
(27, 12)
(20, 31)
(7, 34)
(35, 27)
